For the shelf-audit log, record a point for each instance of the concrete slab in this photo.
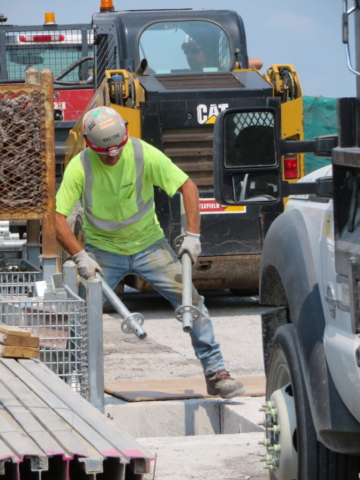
(186, 417)
(242, 416)
(167, 419)
(217, 457)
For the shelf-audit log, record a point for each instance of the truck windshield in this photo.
(185, 47)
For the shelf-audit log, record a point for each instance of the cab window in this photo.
(185, 47)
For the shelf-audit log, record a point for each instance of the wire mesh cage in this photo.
(22, 168)
(61, 325)
(17, 277)
(27, 164)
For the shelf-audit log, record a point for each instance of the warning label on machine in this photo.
(209, 205)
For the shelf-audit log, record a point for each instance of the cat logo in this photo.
(206, 115)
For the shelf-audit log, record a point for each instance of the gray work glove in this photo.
(86, 266)
(191, 244)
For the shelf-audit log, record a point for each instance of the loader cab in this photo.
(172, 41)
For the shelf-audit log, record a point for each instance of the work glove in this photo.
(191, 244)
(86, 266)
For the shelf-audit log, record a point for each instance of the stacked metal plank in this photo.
(47, 431)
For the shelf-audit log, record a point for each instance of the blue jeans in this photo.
(159, 266)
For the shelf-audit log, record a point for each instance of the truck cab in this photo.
(309, 286)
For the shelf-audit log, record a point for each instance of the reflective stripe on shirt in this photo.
(143, 208)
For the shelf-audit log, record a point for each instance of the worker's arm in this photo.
(65, 236)
(191, 242)
(255, 63)
(86, 266)
(191, 204)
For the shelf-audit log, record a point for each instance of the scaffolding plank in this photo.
(63, 433)
(12, 435)
(46, 391)
(19, 341)
(11, 330)
(27, 422)
(18, 352)
(6, 453)
(121, 441)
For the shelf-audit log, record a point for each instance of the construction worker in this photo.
(115, 177)
(196, 57)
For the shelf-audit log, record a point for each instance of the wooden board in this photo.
(18, 341)
(11, 330)
(18, 352)
(177, 389)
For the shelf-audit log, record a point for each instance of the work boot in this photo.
(221, 383)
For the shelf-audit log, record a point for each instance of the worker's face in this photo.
(109, 160)
(196, 58)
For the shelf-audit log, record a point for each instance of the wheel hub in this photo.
(280, 424)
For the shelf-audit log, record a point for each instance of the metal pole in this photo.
(186, 313)
(3, 59)
(70, 276)
(85, 53)
(95, 343)
(132, 321)
(187, 319)
(33, 242)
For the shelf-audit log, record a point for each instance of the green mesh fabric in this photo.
(320, 118)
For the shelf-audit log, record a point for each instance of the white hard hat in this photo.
(105, 131)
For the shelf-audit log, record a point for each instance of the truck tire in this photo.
(301, 456)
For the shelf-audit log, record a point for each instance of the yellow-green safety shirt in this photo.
(116, 218)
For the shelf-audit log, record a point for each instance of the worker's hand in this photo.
(86, 266)
(191, 244)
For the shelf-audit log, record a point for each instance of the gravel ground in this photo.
(167, 352)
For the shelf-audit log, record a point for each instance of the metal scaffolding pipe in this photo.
(186, 313)
(132, 322)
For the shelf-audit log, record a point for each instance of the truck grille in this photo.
(202, 81)
(191, 149)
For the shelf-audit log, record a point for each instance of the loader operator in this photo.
(196, 57)
(115, 178)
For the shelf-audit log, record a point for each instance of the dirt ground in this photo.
(167, 352)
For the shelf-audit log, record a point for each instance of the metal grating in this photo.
(57, 50)
(47, 431)
(191, 149)
(252, 119)
(106, 55)
(17, 277)
(249, 139)
(201, 81)
(60, 323)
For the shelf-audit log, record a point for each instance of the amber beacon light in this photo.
(106, 6)
(49, 19)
